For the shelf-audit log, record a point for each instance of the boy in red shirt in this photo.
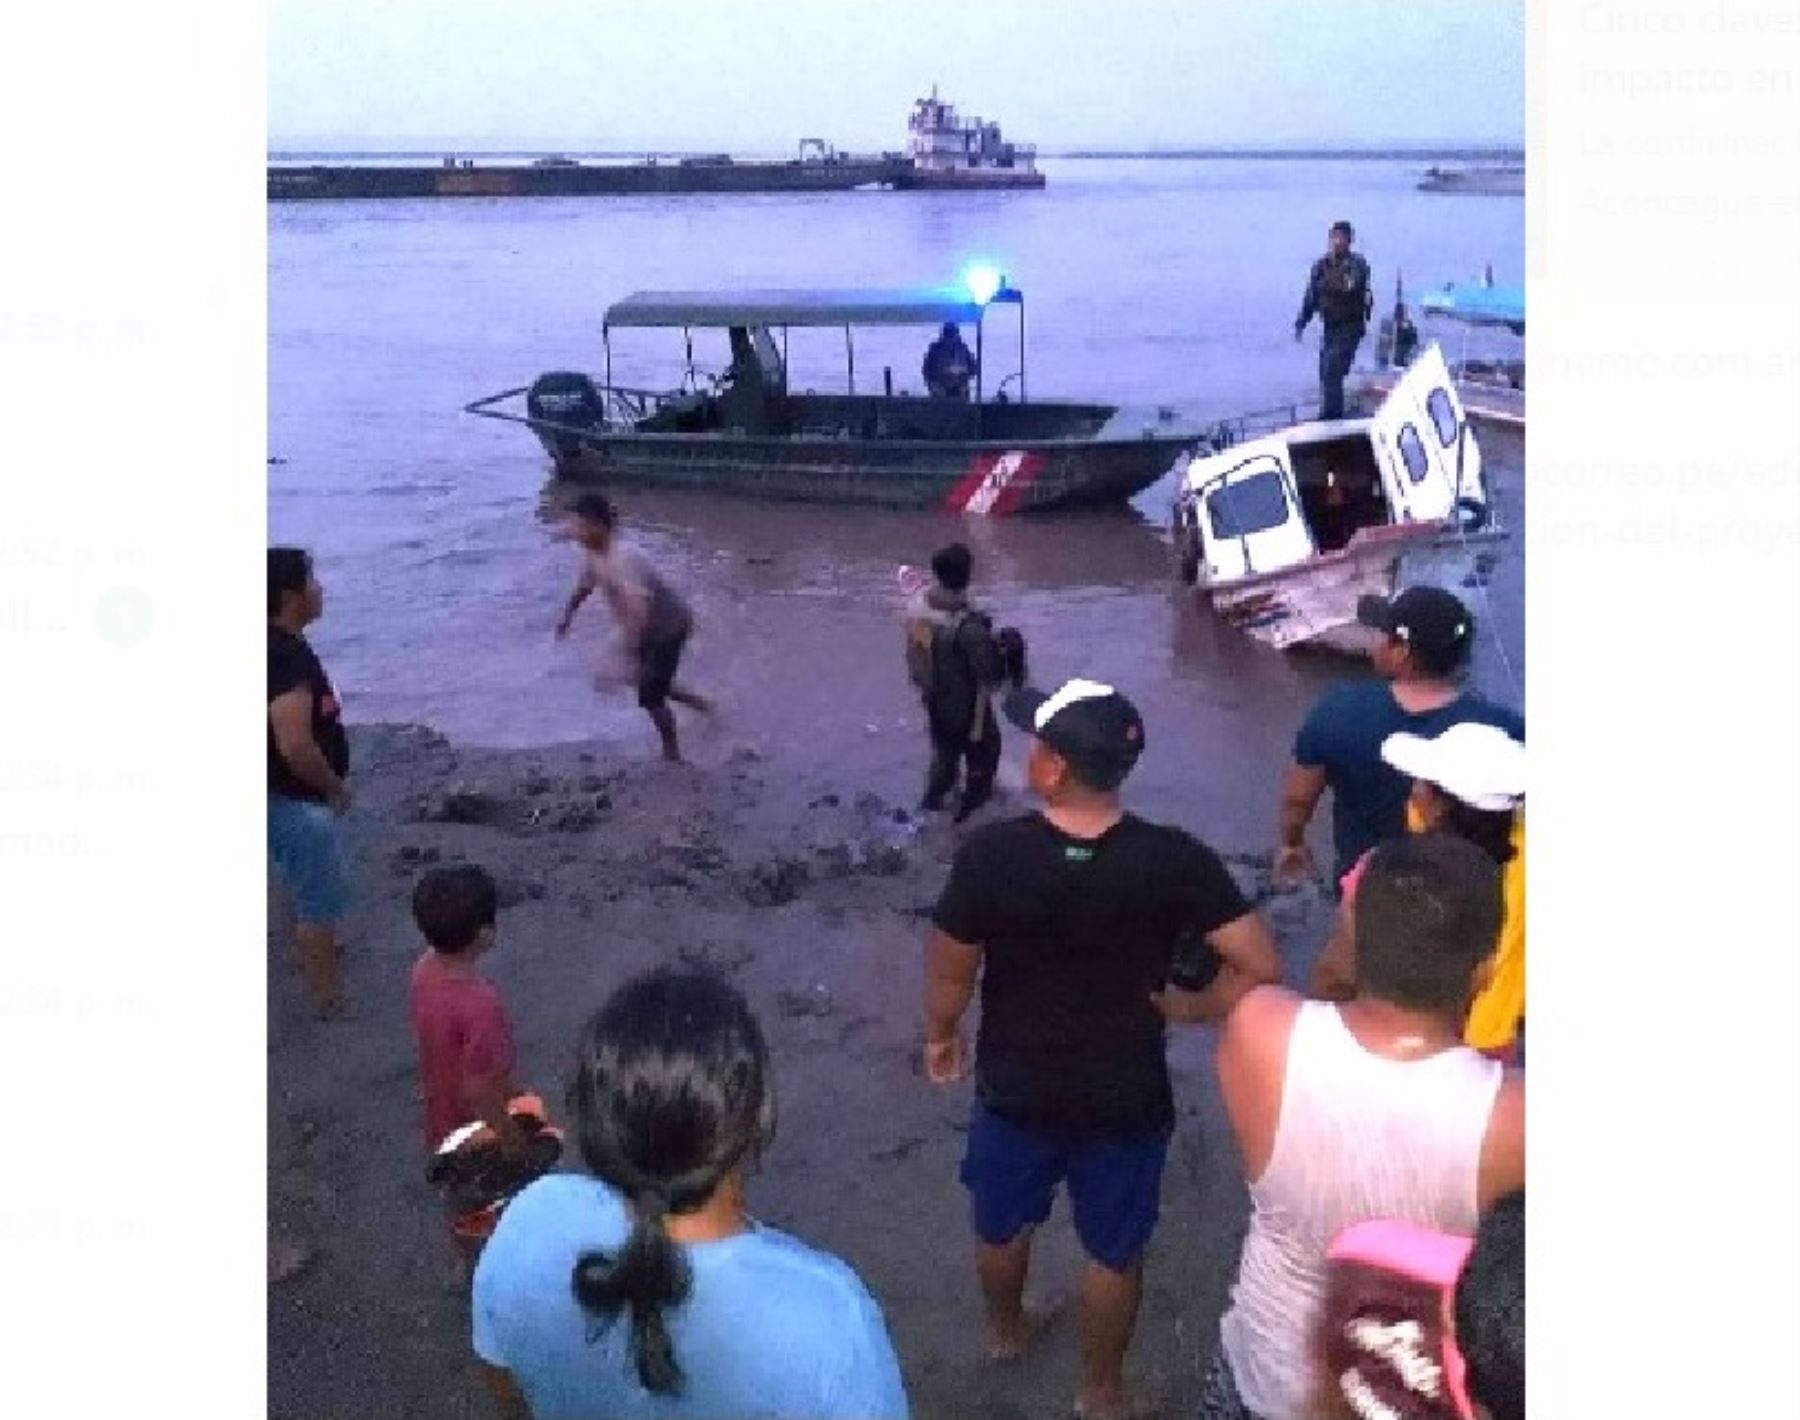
(465, 1041)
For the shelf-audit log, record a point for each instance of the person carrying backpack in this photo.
(955, 661)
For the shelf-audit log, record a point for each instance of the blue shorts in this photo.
(1115, 1184)
(305, 848)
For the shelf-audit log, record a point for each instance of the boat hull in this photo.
(1476, 182)
(324, 182)
(1313, 603)
(990, 479)
(967, 179)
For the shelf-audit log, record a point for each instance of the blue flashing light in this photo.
(983, 283)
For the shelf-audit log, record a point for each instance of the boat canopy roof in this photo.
(801, 308)
(1475, 303)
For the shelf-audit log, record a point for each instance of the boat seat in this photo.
(691, 413)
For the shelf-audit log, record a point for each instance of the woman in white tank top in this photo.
(1370, 1109)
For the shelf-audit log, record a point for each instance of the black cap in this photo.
(1433, 623)
(1097, 730)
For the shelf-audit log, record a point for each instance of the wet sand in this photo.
(811, 892)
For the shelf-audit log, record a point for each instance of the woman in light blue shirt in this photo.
(647, 1290)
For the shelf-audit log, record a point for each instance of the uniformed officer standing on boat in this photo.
(1337, 289)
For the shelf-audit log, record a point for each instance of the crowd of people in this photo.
(1379, 1117)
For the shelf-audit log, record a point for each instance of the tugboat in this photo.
(948, 152)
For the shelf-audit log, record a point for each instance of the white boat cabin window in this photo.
(1249, 505)
(1413, 455)
(1443, 415)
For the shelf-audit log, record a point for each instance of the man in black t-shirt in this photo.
(1090, 929)
(309, 755)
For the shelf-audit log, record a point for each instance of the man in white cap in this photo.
(1089, 928)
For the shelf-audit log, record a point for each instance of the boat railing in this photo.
(622, 406)
(1258, 423)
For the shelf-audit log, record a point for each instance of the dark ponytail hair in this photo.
(670, 1096)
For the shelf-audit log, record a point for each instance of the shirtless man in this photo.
(655, 620)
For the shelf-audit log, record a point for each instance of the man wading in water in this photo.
(655, 620)
(1337, 288)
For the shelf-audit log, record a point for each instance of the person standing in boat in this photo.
(950, 365)
(655, 620)
(1339, 292)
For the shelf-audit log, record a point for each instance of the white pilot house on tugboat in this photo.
(949, 152)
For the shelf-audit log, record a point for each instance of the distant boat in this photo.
(1507, 181)
(1489, 370)
(1478, 303)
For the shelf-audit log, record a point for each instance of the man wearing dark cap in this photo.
(1426, 637)
(1090, 929)
(1338, 290)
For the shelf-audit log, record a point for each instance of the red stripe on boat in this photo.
(995, 484)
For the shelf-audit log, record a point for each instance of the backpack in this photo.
(922, 637)
(925, 633)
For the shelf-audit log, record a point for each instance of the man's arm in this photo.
(509, 1400)
(1247, 959)
(291, 716)
(983, 655)
(1309, 301)
(1503, 1149)
(584, 588)
(951, 968)
(1252, 1065)
(1301, 791)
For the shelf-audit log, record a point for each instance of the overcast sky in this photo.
(759, 75)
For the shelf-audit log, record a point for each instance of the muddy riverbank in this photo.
(812, 895)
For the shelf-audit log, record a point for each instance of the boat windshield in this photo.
(1250, 505)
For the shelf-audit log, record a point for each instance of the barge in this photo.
(570, 177)
(943, 151)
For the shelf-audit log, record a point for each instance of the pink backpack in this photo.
(1386, 1338)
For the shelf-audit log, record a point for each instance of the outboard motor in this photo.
(569, 399)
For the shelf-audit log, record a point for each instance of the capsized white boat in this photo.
(1286, 531)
